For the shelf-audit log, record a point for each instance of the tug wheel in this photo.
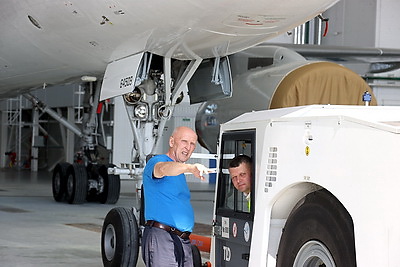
(120, 238)
(319, 232)
(196, 256)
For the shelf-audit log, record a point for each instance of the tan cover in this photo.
(321, 83)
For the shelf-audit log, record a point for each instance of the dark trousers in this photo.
(161, 248)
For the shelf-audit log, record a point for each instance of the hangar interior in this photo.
(33, 141)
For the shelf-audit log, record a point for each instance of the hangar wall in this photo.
(364, 23)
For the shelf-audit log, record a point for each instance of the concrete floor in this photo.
(35, 230)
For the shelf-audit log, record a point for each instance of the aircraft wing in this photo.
(49, 42)
(376, 60)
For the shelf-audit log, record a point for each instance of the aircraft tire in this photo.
(59, 181)
(112, 186)
(120, 238)
(92, 175)
(196, 256)
(76, 184)
(319, 223)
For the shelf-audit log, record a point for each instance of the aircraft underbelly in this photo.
(58, 40)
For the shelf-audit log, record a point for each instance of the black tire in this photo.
(120, 238)
(92, 174)
(196, 256)
(59, 181)
(319, 223)
(76, 184)
(112, 186)
(141, 214)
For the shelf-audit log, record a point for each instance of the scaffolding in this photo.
(14, 126)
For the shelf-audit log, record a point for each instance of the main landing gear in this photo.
(77, 183)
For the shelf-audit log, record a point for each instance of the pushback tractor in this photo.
(325, 188)
(324, 191)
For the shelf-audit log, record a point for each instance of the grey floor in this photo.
(37, 231)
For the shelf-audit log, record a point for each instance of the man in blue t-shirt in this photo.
(168, 212)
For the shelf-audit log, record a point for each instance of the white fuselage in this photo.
(47, 42)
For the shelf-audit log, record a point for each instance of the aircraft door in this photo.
(233, 226)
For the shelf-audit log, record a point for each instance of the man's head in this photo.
(182, 144)
(240, 169)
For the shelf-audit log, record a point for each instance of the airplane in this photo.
(144, 50)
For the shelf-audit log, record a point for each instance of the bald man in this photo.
(168, 212)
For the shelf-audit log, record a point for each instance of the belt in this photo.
(183, 235)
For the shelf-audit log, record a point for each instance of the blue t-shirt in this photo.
(167, 199)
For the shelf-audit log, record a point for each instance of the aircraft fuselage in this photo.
(47, 42)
